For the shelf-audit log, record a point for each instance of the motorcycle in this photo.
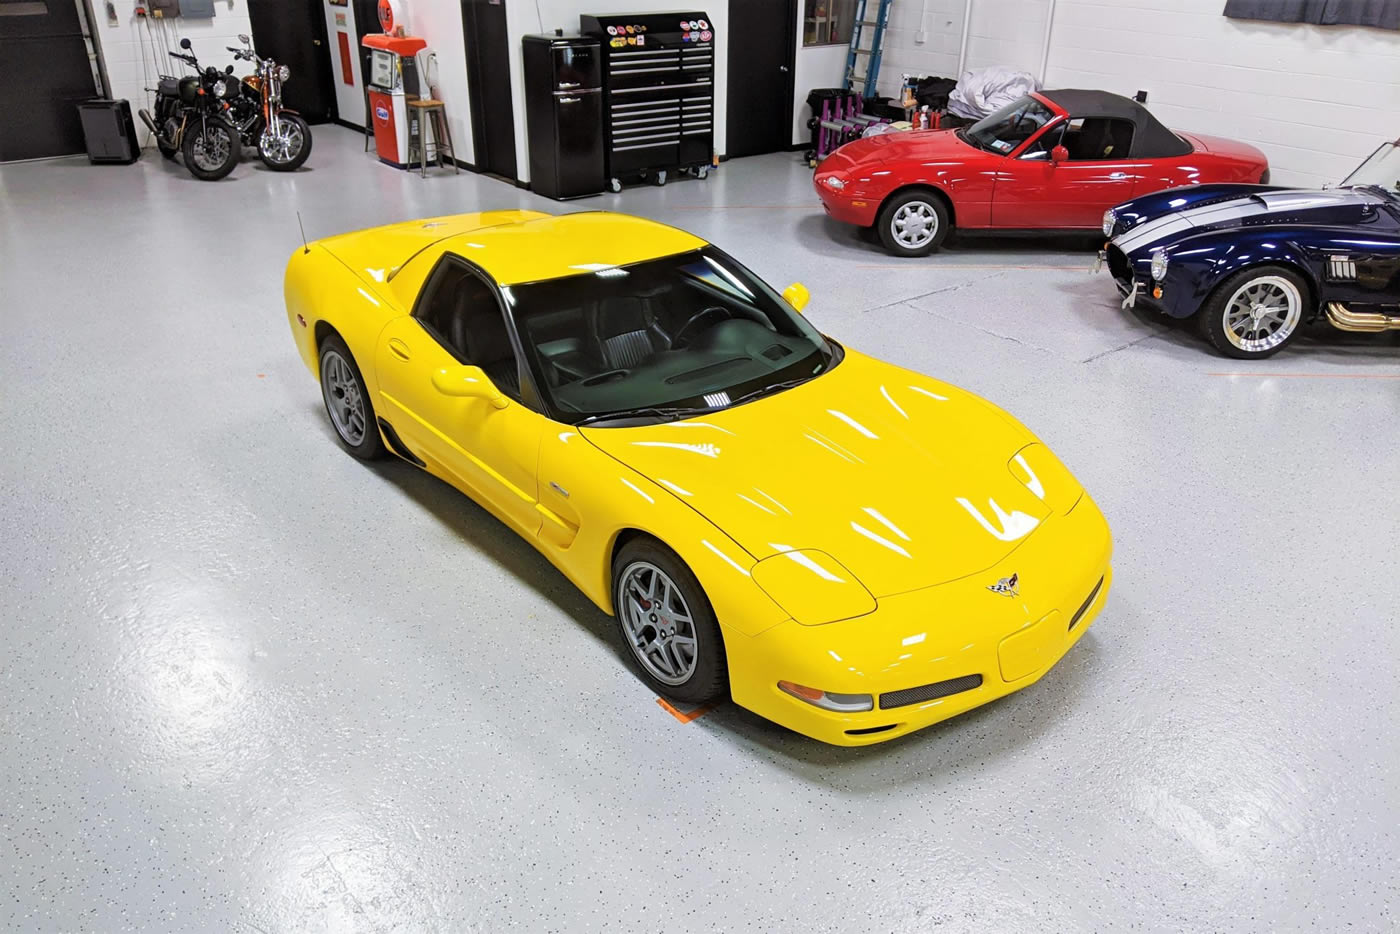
(189, 118)
(282, 137)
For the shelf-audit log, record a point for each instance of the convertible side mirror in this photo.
(797, 296)
(468, 382)
(1059, 154)
(185, 44)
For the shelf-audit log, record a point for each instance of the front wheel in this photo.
(913, 224)
(1255, 313)
(667, 623)
(210, 148)
(287, 148)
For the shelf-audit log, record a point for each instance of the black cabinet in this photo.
(564, 115)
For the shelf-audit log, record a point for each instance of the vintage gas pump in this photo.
(393, 82)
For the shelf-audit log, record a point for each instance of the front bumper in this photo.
(849, 206)
(963, 643)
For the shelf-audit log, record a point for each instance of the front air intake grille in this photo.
(1084, 608)
(929, 691)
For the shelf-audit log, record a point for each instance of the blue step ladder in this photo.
(864, 81)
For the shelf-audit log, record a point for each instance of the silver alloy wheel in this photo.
(343, 399)
(914, 225)
(283, 146)
(1262, 314)
(657, 622)
(211, 148)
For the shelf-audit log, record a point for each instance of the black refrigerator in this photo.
(564, 115)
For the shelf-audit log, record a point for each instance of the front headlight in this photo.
(220, 88)
(1043, 474)
(841, 703)
(283, 73)
(834, 183)
(812, 587)
(1159, 264)
(1110, 219)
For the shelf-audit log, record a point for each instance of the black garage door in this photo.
(44, 73)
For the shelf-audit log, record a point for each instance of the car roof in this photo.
(543, 246)
(1150, 138)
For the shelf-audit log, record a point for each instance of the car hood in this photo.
(915, 145)
(1259, 208)
(902, 479)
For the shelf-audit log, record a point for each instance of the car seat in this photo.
(625, 332)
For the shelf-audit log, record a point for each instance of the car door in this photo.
(490, 453)
(1034, 191)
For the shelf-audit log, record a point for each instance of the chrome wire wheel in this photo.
(211, 148)
(657, 623)
(344, 401)
(282, 145)
(1262, 313)
(914, 225)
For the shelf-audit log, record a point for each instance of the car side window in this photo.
(1098, 138)
(1040, 147)
(460, 311)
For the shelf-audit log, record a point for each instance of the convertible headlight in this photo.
(841, 703)
(220, 88)
(1159, 264)
(1044, 475)
(812, 587)
(1110, 220)
(834, 183)
(283, 73)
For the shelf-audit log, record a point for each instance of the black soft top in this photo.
(1151, 140)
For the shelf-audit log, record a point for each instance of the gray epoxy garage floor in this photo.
(248, 683)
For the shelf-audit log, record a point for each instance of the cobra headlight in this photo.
(1159, 265)
(283, 73)
(1110, 220)
(220, 88)
(834, 183)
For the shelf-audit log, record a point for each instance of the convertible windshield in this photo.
(662, 338)
(1381, 169)
(1011, 126)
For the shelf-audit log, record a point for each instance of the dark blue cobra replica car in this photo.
(1256, 263)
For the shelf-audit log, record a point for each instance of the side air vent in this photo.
(1341, 268)
(928, 692)
(1084, 607)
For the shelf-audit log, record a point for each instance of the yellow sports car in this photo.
(840, 545)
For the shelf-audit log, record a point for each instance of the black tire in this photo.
(299, 158)
(708, 679)
(200, 132)
(894, 219)
(368, 445)
(1293, 294)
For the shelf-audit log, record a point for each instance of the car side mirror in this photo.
(1059, 154)
(185, 44)
(797, 296)
(468, 382)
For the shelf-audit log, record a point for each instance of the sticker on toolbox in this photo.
(706, 36)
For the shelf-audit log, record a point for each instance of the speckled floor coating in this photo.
(249, 684)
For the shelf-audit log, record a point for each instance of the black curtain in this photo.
(1383, 14)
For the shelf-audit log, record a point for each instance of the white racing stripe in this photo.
(1252, 205)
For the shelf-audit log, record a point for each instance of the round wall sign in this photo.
(388, 15)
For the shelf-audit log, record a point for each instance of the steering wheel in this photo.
(689, 329)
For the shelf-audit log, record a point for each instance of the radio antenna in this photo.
(306, 247)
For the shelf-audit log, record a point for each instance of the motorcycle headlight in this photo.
(1110, 219)
(812, 587)
(220, 88)
(283, 73)
(1159, 264)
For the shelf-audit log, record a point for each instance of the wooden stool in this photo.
(431, 113)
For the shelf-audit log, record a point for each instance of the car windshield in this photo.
(662, 338)
(1009, 127)
(1381, 169)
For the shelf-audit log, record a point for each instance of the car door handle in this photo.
(398, 348)
(1117, 175)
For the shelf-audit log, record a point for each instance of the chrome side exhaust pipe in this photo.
(145, 116)
(1369, 322)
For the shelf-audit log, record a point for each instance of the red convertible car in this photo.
(1053, 160)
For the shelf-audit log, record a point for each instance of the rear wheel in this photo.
(210, 147)
(667, 623)
(347, 401)
(913, 224)
(1255, 313)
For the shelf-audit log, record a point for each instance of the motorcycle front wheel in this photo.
(287, 148)
(210, 148)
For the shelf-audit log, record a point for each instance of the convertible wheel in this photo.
(668, 624)
(347, 401)
(913, 224)
(1255, 313)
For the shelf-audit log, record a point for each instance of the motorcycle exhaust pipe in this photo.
(146, 118)
(1343, 318)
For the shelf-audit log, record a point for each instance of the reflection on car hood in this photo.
(901, 478)
(921, 145)
(1270, 207)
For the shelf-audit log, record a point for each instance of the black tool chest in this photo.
(658, 86)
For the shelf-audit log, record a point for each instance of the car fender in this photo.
(1198, 264)
(322, 291)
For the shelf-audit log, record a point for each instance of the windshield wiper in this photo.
(645, 411)
(769, 390)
